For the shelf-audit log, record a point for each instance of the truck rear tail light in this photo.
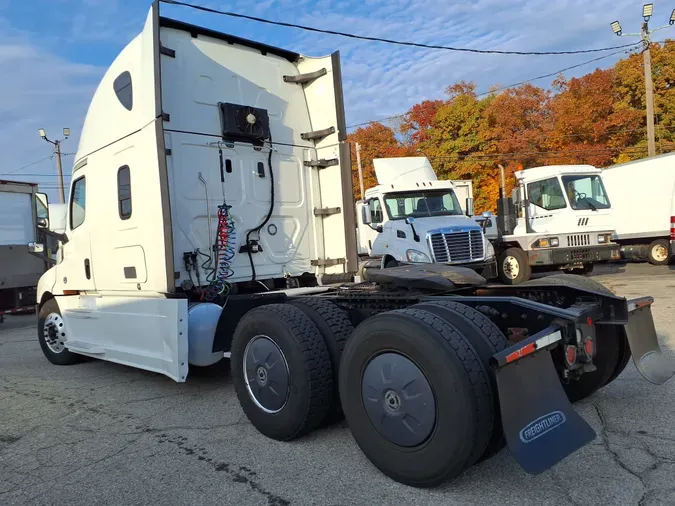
(589, 347)
(570, 355)
(672, 228)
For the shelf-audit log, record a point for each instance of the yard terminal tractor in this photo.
(211, 214)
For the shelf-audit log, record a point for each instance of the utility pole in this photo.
(57, 152)
(645, 36)
(649, 90)
(358, 164)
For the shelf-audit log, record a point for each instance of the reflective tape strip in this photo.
(530, 348)
(542, 342)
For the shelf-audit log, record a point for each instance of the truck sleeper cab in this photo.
(560, 220)
(229, 205)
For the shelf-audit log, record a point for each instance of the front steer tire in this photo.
(514, 267)
(426, 423)
(281, 371)
(51, 327)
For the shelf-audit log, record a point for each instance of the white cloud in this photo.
(39, 89)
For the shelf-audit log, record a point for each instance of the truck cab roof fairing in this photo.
(109, 117)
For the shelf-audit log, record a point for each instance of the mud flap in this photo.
(540, 424)
(644, 343)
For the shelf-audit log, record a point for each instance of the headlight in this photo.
(417, 256)
(490, 250)
(604, 238)
(546, 242)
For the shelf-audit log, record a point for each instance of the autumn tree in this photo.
(630, 93)
(419, 121)
(376, 141)
(597, 119)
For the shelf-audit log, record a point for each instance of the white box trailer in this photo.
(211, 193)
(19, 270)
(642, 203)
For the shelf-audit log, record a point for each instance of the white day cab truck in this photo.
(20, 215)
(643, 207)
(412, 217)
(197, 229)
(558, 218)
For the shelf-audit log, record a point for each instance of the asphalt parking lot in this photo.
(100, 433)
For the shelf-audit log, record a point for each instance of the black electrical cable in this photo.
(269, 212)
(388, 41)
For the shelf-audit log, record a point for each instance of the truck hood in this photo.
(438, 223)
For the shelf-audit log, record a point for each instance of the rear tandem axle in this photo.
(431, 383)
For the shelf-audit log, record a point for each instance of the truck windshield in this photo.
(586, 192)
(420, 204)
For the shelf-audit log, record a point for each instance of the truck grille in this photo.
(579, 240)
(454, 247)
(581, 254)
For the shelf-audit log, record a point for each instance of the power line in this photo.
(26, 166)
(554, 73)
(390, 41)
(501, 88)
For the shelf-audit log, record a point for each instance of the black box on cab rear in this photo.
(244, 123)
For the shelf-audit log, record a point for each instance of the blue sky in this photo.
(53, 52)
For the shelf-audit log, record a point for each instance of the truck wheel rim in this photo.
(266, 374)
(398, 400)
(511, 267)
(660, 253)
(54, 333)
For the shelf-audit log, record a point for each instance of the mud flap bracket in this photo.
(540, 425)
(644, 343)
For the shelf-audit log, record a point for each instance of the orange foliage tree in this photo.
(596, 119)
(376, 141)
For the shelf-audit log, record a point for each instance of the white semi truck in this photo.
(412, 217)
(558, 218)
(202, 216)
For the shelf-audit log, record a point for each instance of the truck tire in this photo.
(514, 267)
(52, 334)
(658, 252)
(613, 352)
(281, 371)
(487, 340)
(335, 328)
(439, 382)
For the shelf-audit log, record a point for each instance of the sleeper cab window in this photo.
(124, 192)
(78, 203)
(124, 90)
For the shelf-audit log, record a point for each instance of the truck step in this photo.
(82, 347)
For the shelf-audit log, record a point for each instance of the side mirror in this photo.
(36, 248)
(365, 215)
(43, 223)
(409, 220)
(469, 207)
(379, 229)
(487, 214)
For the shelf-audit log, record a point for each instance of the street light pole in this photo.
(57, 152)
(645, 36)
(59, 169)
